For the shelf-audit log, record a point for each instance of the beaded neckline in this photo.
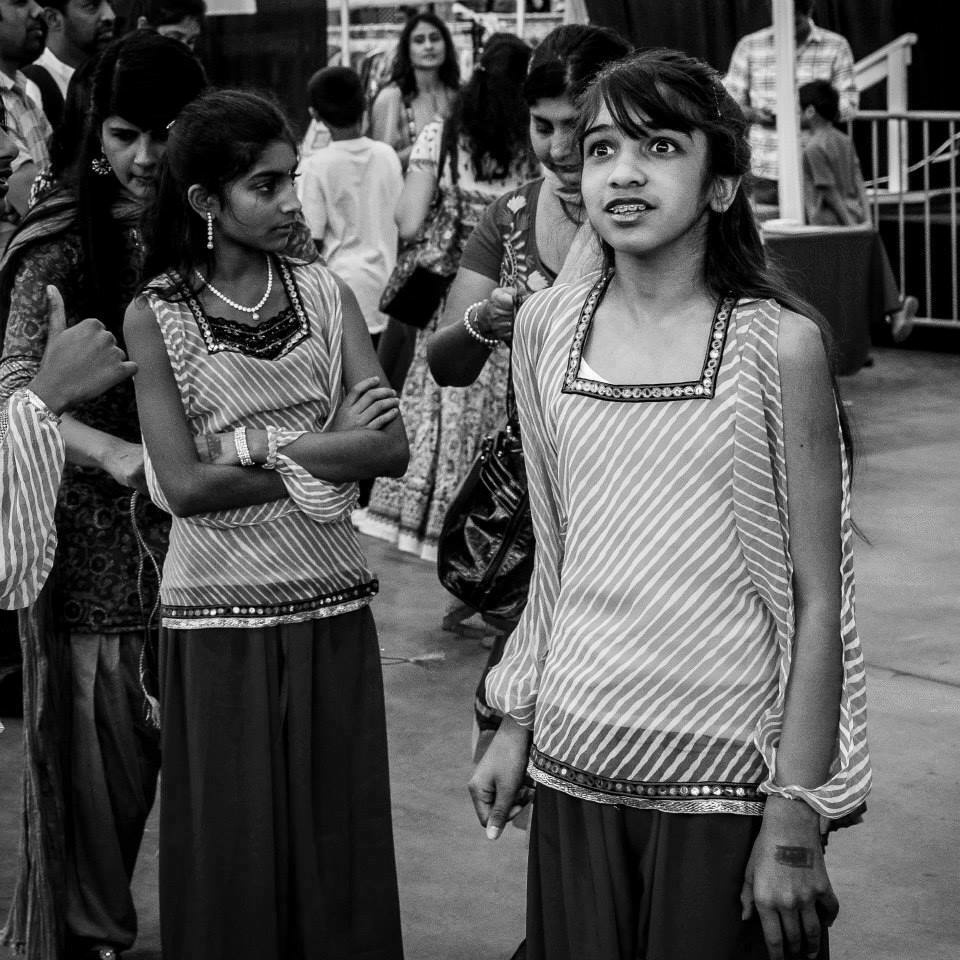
(703, 388)
(270, 339)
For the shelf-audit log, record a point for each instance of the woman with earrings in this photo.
(423, 83)
(91, 751)
(261, 406)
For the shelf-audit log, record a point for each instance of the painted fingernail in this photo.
(493, 832)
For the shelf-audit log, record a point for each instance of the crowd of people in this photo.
(205, 399)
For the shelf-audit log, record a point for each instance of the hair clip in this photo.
(171, 123)
(718, 93)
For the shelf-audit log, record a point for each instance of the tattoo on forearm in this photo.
(213, 447)
(794, 856)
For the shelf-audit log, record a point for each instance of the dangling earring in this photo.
(101, 165)
(209, 230)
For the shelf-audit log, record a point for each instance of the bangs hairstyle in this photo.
(215, 140)
(146, 80)
(682, 93)
(568, 58)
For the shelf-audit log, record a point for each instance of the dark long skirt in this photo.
(90, 771)
(613, 883)
(276, 837)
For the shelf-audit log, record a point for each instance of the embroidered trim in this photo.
(680, 805)
(702, 388)
(270, 340)
(228, 615)
(702, 797)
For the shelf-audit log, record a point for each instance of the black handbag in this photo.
(486, 546)
(426, 266)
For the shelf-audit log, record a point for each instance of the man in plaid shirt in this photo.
(752, 82)
(23, 33)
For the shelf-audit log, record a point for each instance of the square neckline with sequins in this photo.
(271, 339)
(703, 388)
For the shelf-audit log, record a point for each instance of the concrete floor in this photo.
(897, 875)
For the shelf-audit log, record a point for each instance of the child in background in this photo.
(833, 190)
(349, 191)
(834, 193)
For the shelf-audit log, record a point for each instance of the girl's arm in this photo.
(414, 203)
(455, 357)
(358, 453)
(189, 485)
(786, 878)
(385, 116)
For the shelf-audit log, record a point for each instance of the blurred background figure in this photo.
(423, 82)
(180, 20)
(23, 34)
(76, 31)
(752, 81)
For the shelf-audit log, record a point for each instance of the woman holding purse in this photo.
(480, 152)
(523, 241)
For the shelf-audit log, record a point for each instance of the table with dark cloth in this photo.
(841, 272)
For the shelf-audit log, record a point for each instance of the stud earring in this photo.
(209, 230)
(101, 165)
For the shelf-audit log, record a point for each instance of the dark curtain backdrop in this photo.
(710, 29)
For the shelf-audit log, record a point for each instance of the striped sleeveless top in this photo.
(287, 560)
(652, 658)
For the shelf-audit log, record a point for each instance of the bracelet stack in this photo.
(469, 322)
(271, 462)
(240, 443)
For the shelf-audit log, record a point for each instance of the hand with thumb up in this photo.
(80, 362)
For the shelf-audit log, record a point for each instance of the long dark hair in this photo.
(490, 113)
(403, 74)
(682, 93)
(568, 59)
(215, 140)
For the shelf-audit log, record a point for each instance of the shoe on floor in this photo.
(901, 322)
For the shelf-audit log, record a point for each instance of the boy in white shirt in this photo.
(349, 191)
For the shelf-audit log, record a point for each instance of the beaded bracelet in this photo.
(271, 462)
(474, 308)
(240, 443)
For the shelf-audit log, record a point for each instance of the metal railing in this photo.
(913, 184)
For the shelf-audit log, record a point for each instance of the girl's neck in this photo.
(658, 289)
(231, 262)
(428, 81)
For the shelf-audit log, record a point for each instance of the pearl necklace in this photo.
(254, 311)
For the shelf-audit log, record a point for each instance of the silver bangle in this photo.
(474, 308)
(240, 443)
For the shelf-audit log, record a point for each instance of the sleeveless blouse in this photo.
(287, 560)
(653, 657)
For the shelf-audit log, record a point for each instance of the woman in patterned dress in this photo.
(524, 237)
(260, 405)
(91, 754)
(484, 153)
(688, 661)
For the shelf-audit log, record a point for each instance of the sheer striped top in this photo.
(653, 656)
(31, 464)
(291, 559)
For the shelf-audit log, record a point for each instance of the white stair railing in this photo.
(890, 63)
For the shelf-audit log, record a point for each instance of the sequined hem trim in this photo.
(702, 388)
(711, 805)
(249, 623)
(268, 615)
(702, 797)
